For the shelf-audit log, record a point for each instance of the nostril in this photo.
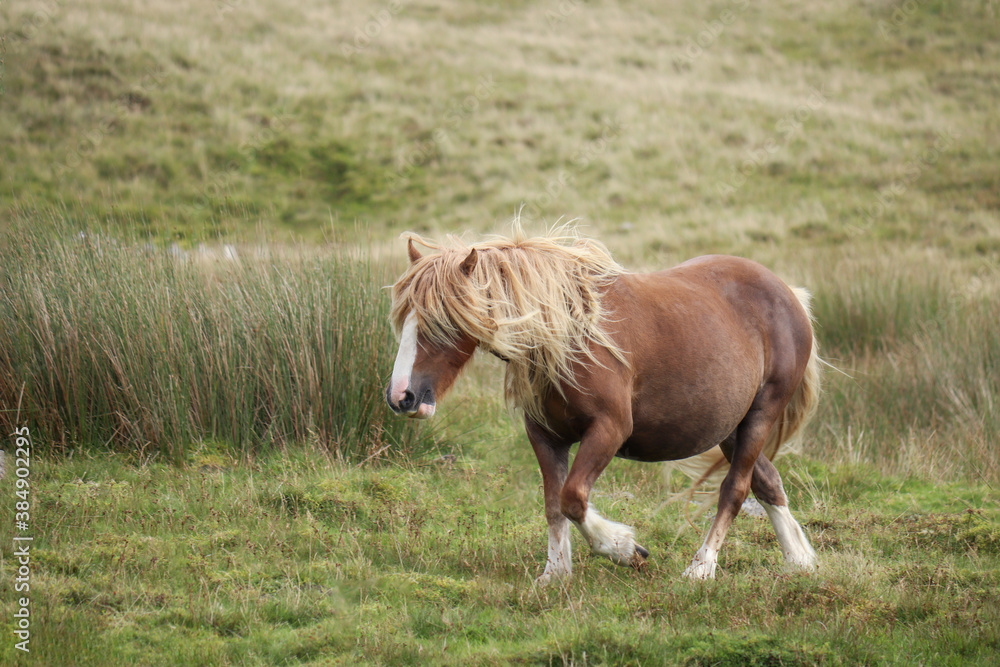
(408, 400)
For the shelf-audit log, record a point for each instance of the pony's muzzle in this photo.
(400, 402)
(406, 403)
(425, 411)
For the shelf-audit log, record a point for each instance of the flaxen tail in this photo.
(709, 468)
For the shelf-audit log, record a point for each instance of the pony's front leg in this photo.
(553, 459)
(606, 538)
(612, 539)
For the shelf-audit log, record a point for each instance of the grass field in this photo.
(298, 559)
(211, 481)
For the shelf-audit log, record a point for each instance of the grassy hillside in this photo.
(853, 147)
(667, 127)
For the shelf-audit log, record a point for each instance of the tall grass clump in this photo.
(872, 304)
(105, 341)
(920, 355)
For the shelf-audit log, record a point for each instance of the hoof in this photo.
(702, 565)
(546, 578)
(801, 567)
(700, 571)
(638, 560)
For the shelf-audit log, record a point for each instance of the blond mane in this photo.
(535, 302)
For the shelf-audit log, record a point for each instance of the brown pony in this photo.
(714, 357)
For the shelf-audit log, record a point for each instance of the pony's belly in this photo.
(665, 446)
(669, 425)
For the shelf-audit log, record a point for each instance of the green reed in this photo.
(109, 341)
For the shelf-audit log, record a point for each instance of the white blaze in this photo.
(405, 358)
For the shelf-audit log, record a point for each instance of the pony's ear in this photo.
(469, 262)
(412, 251)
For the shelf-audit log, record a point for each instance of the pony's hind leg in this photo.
(742, 452)
(766, 485)
(553, 461)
